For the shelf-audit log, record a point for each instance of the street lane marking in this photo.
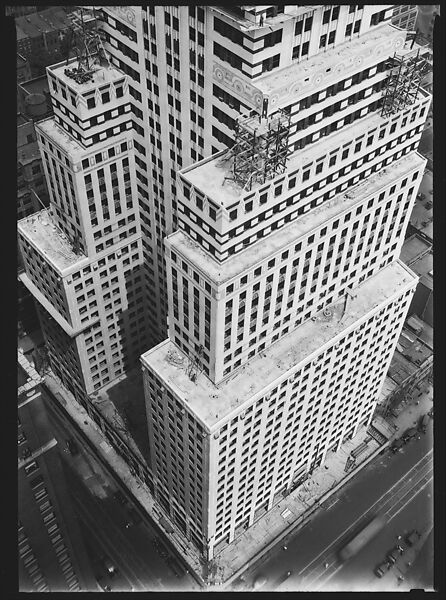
(412, 497)
(425, 457)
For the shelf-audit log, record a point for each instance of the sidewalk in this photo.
(298, 507)
(292, 512)
(118, 465)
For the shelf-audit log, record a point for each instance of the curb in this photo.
(305, 517)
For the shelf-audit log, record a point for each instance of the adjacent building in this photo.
(51, 551)
(83, 256)
(405, 16)
(32, 194)
(286, 294)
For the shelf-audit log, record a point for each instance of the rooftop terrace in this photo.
(222, 272)
(213, 403)
(42, 232)
(101, 76)
(63, 139)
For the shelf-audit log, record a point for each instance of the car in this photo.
(409, 434)
(111, 569)
(397, 445)
(72, 447)
(394, 554)
(423, 423)
(119, 496)
(382, 568)
(431, 413)
(412, 537)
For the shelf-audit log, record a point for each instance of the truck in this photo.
(363, 537)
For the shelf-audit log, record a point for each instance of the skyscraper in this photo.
(275, 146)
(83, 255)
(286, 294)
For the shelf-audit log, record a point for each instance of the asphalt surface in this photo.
(397, 484)
(104, 520)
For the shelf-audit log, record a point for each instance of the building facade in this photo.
(286, 294)
(83, 256)
(405, 16)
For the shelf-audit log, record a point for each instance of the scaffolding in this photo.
(86, 41)
(403, 84)
(260, 149)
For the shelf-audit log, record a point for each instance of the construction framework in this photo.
(260, 149)
(404, 82)
(87, 43)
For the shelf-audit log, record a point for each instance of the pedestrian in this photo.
(326, 565)
(285, 547)
(398, 537)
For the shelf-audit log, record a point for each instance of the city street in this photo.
(399, 485)
(103, 518)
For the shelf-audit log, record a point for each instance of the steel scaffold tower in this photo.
(404, 82)
(260, 149)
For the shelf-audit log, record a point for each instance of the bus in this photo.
(363, 537)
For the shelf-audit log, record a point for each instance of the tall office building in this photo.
(286, 294)
(52, 555)
(83, 256)
(282, 252)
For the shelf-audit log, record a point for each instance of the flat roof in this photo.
(101, 76)
(221, 272)
(28, 153)
(213, 403)
(37, 23)
(324, 61)
(42, 232)
(414, 248)
(38, 85)
(212, 175)
(61, 137)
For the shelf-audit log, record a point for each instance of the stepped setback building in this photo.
(286, 294)
(275, 147)
(83, 255)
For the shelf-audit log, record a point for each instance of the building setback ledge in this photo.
(72, 332)
(294, 231)
(213, 404)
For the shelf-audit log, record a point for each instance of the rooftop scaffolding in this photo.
(260, 150)
(404, 81)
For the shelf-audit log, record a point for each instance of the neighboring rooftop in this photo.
(28, 153)
(213, 403)
(422, 212)
(221, 272)
(38, 85)
(413, 249)
(45, 21)
(42, 232)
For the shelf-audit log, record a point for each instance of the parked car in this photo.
(397, 445)
(72, 447)
(111, 569)
(394, 554)
(423, 423)
(412, 537)
(409, 434)
(119, 496)
(382, 568)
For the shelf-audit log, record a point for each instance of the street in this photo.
(399, 485)
(105, 521)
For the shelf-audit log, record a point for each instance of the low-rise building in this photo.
(42, 30)
(417, 254)
(32, 193)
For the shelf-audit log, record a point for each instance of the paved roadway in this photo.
(104, 519)
(399, 485)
